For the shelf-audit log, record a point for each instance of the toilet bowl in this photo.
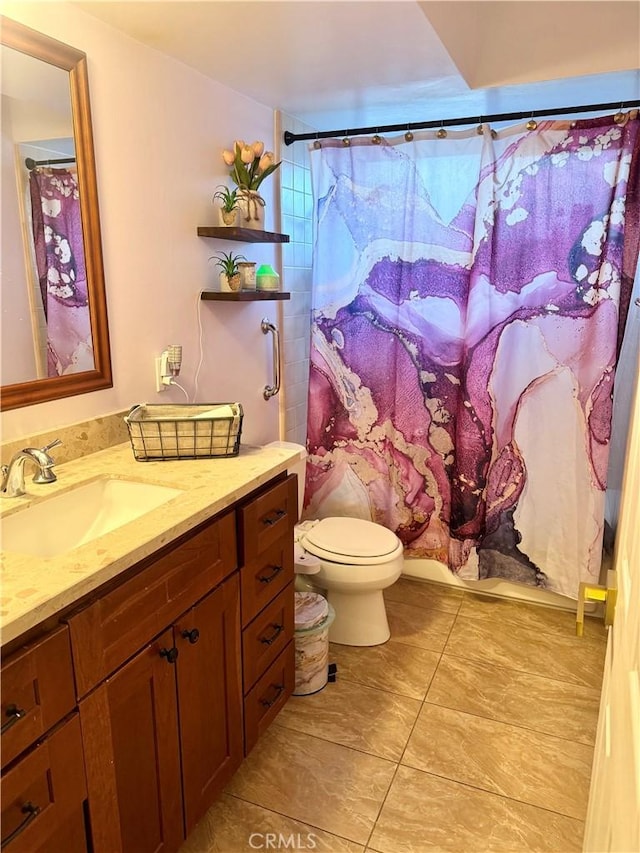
(352, 561)
(357, 561)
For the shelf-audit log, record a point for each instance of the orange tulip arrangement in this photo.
(250, 164)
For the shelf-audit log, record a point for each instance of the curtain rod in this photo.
(453, 122)
(31, 164)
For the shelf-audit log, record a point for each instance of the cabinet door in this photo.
(209, 697)
(130, 733)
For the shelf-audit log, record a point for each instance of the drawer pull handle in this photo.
(193, 635)
(14, 713)
(170, 654)
(275, 571)
(271, 519)
(269, 702)
(276, 633)
(31, 813)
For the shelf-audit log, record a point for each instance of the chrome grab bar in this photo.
(272, 390)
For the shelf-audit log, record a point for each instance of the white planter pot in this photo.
(228, 219)
(251, 205)
(227, 286)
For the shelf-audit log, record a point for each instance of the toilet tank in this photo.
(295, 467)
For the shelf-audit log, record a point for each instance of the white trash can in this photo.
(313, 616)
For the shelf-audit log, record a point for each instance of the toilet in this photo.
(353, 560)
(357, 560)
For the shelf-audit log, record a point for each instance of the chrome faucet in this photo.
(12, 485)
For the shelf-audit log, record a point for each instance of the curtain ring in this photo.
(479, 128)
(346, 141)
(532, 124)
(408, 135)
(442, 133)
(620, 117)
(316, 142)
(375, 139)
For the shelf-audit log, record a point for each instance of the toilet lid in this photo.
(350, 537)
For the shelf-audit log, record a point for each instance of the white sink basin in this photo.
(55, 525)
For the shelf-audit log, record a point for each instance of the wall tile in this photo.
(297, 393)
(297, 208)
(301, 414)
(286, 174)
(296, 372)
(287, 197)
(296, 327)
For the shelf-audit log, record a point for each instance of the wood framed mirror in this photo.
(54, 376)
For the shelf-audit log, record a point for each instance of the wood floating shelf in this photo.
(244, 296)
(242, 235)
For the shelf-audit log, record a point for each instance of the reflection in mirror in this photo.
(54, 325)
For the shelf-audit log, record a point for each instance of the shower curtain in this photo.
(59, 253)
(469, 296)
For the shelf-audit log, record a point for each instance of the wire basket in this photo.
(182, 431)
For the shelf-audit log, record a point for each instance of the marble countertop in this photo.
(36, 588)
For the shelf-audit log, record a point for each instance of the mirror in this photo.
(54, 314)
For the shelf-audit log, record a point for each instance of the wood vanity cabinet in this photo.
(124, 724)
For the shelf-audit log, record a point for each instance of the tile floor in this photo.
(471, 730)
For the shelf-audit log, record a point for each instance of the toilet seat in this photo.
(351, 541)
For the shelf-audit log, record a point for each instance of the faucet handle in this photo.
(54, 443)
(44, 474)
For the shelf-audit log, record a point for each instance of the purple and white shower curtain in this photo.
(468, 297)
(59, 252)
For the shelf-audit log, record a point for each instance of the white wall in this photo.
(159, 128)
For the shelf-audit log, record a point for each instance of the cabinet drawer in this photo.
(268, 696)
(265, 637)
(265, 576)
(37, 691)
(268, 517)
(112, 629)
(50, 781)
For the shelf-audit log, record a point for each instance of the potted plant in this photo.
(250, 165)
(229, 270)
(228, 210)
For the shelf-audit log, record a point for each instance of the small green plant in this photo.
(228, 198)
(228, 263)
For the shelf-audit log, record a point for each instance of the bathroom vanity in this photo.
(130, 695)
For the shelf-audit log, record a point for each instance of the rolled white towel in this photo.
(225, 411)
